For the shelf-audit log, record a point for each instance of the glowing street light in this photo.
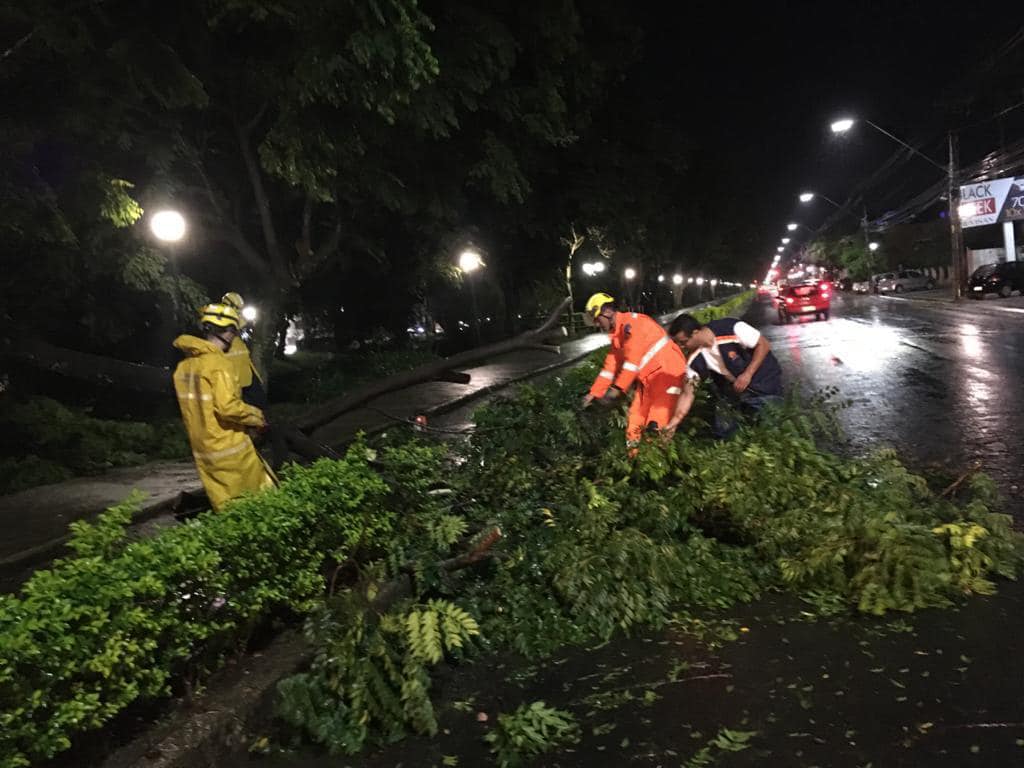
(714, 283)
(661, 278)
(785, 241)
(598, 267)
(677, 279)
(689, 281)
(168, 226)
(842, 126)
(700, 281)
(806, 197)
(792, 226)
(470, 261)
(629, 273)
(780, 249)
(873, 246)
(249, 313)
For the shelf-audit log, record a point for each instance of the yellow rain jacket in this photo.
(216, 419)
(241, 363)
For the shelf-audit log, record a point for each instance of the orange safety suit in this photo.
(217, 420)
(642, 352)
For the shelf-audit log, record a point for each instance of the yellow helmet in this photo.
(594, 305)
(220, 315)
(233, 299)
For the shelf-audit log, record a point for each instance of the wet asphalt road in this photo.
(940, 386)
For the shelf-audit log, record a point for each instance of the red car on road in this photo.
(806, 299)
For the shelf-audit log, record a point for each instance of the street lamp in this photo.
(792, 226)
(469, 262)
(661, 278)
(785, 241)
(700, 281)
(629, 274)
(842, 126)
(806, 197)
(249, 313)
(168, 226)
(677, 279)
(873, 246)
(780, 249)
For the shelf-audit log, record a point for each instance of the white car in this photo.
(861, 286)
(905, 280)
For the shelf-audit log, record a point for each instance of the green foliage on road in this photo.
(593, 543)
(43, 441)
(596, 544)
(531, 730)
(371, 675)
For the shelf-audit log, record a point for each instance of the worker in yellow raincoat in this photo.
(249, 380)
(215, 417)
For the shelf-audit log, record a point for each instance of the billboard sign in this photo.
(991, 202)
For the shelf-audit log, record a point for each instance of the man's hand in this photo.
(742, 382)
(610, 396)
(587, 400)
(669, 430)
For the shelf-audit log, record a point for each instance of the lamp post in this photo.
(169, 227)
(469, 262)
(952, 194)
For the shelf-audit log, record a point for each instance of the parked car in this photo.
(809, 298)
(905, 280)
(862, 286)
(876, 279)
(845, 284)
(1003, 279)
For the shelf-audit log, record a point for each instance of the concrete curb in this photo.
(196, 736)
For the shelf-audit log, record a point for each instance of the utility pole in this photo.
(864, 223)
(956, 238)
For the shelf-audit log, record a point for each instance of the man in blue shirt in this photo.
(736, 358)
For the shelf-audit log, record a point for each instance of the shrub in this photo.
(43, 441)
(118, 620)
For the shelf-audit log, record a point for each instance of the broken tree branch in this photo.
(334, 408)
(403, 586)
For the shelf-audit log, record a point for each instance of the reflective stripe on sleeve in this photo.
(630, 367)
(606, 375)
(675, 390)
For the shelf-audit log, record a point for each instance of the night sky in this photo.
(758, 86)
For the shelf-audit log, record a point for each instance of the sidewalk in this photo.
(941, 298)
(35, 521)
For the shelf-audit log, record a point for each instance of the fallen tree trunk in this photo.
(429, 372)
(97, 369)
(391, 592)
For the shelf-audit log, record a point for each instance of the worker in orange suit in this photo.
(641, 353)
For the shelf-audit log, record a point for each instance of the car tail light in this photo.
(824, 294)
(789, 299)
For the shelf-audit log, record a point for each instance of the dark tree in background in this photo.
(331, 157)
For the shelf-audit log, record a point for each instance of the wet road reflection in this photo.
(940, 386)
